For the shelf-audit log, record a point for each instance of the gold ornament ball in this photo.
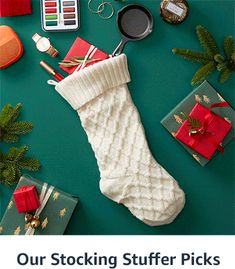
(28, 217)
(35, 223)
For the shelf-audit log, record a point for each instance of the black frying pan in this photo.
(135, 22)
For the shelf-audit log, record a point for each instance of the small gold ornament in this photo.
(35, 223)
(28, 217)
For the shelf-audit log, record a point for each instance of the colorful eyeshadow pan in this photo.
(69, 16)
(68, 22)
(52, 10)
(51, 23)
(50, 4)
(60, 15)
(72, 9)
(68, 3)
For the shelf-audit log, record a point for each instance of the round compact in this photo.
(174, 11)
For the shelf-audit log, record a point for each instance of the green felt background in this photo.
(160, 80)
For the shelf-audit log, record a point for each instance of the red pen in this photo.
(51, 71)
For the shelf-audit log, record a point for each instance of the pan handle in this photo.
(120, 47)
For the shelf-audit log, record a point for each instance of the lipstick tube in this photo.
(51, 71)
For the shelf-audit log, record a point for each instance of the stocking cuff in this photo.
(81, 87)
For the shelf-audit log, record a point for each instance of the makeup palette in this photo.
(60, 15)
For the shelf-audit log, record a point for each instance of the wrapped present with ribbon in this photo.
(51, 217)
(81, 54)
(203, 130)
(26, 199)
(203, 123)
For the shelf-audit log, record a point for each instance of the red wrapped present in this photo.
(206, 138)
(15, 7)
(26, 199)
(83, 49)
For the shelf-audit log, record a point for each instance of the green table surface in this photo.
(160, 80)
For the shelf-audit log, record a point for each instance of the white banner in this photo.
(119, 252)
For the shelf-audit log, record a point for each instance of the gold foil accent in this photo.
(17, 231)
(56, 195)
(44, 223)
(62, 212)
(196, 157)
(198, 98)
(10, 204)
(178, 119)
(206, 99)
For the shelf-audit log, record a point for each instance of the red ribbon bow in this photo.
(200, 132)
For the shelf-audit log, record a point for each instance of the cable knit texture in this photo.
(129, 173)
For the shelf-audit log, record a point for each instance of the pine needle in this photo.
(203, 73)
(194, 123)
(225, 74)
(228, 46)
(193, 55)
(10, 129)
(207, 41)
(13, 162)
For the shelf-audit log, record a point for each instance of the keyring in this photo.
(95, 11)
(101, 10)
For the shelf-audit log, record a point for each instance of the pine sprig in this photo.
(194, 123)
(203, 72)
(13, 162)
(207, 41)
(193, 55)
(228, 46)
(210, 59)
(76, 60)
(10, 129)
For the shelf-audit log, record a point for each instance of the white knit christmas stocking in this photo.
(129, 173)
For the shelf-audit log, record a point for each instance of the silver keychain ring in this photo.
(101, 10)
(95, 11)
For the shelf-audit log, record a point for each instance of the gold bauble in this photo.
(35, 223)
(28, 217)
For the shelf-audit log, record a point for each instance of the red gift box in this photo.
(82, 48)
(15, 7)
(210, 136)
(26, 199)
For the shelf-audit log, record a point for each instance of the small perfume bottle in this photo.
(174, 11)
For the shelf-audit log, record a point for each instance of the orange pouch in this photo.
(11, 48)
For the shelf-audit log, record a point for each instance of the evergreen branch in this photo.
(192, 55)
(29, 164)
(225, 74)
(5, 115)
(13, 162)
(16, 112)
(10, 129)
(203, 73)
(233, 56)
(228, 46)
(219, 58)
(194, 123)
(207, 41)
(9, 138)
(222, 66)
(19, 128)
